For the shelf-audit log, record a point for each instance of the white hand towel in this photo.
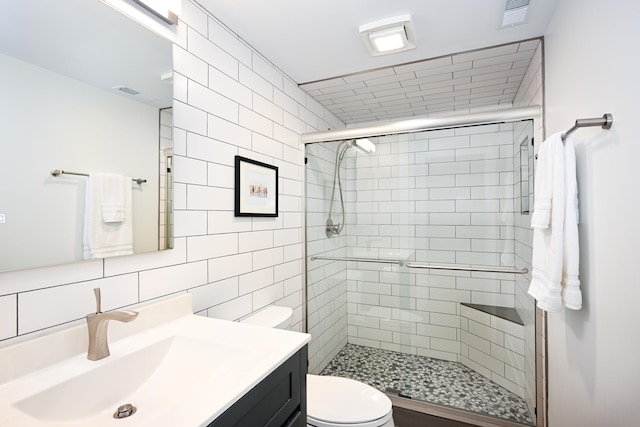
(112, 198)
(104, 239)
(571, 294)
(541, 216)
(548, 239)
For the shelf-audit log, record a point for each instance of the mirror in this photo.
(526, 173)
(85, 89)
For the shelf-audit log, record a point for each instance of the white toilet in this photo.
(333, 401)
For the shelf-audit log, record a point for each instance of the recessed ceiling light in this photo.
(389, 35)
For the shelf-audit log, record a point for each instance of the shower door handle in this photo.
(461, 268)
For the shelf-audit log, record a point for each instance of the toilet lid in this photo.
(344, 401)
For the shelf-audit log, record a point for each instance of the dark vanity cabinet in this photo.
(278, 400)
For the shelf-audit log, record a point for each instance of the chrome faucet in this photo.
(98, 322)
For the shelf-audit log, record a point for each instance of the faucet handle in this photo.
(96, 291)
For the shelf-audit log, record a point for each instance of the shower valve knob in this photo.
(332, 229)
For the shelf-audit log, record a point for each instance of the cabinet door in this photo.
(278, 400)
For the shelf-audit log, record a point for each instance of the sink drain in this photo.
(125, 411)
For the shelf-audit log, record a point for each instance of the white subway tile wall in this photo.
(228, 100)
(494, 348)
(429, 196)
(326, 280)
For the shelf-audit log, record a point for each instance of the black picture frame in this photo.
(256, 188)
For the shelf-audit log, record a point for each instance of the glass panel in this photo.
(524, 168)
(452, 338)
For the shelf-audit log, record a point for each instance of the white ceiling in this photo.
(314, 40)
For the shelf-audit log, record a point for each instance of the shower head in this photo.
(364, 145)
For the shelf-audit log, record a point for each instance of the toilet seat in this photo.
(382, 422)
(341, 402)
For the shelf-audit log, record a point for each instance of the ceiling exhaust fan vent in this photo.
(515, 4)
(126, 89)
(515, 12)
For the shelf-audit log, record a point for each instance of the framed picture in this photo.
(256, 188)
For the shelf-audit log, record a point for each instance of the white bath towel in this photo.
(112, 198)
(547, 222)
(541, 216)
(571, 294)
(104, 239)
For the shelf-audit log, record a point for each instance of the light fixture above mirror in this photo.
(167, 10)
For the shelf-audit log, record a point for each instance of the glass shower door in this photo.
(445, 197)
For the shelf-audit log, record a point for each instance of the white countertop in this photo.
(244, 355)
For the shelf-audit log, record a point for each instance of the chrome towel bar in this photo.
(58, 172)
(605, 122)
(425, 266)
(458, 268)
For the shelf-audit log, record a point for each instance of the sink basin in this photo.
(179, 364)
(176, 368)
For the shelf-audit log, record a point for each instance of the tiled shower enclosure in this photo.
(452, 196)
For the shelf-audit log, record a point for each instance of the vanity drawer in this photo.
(278, 400)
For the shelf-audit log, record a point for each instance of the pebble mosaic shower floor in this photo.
(432, 380)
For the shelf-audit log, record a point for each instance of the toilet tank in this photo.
(271, 317)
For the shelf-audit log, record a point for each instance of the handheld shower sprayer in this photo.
(362, 145)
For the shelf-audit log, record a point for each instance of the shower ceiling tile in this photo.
(447, 69)
(335, 96)
(519, 56)
(475, 71)
(460, 82)
(343, 87)
(435, 78)
(486, 53)
(379, 90)
(528, 45)
(424, 65)
(370, 75)
(404, 77)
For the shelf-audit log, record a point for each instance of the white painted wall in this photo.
(592, 68)
(50, 121)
